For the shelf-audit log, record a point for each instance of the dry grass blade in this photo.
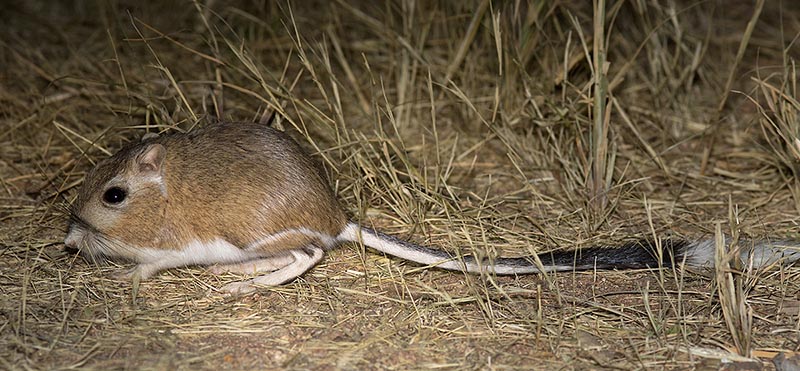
(466, 41)
(714, 121)
(173, 82)
(601, 113)
(732, 297)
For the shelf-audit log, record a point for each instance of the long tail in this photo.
(632, 255)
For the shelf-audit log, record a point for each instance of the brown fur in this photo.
(212, 178)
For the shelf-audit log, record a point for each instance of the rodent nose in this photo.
(73, 238)
(71, 242)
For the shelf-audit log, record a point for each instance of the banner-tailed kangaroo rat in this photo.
(245, 197)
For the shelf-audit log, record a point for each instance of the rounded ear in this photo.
(152, 159)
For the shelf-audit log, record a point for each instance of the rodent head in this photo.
(120, 207)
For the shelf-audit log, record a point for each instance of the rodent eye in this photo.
(115, 195)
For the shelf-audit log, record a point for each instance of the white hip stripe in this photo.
(327, 240)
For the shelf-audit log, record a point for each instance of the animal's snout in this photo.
(74, 237)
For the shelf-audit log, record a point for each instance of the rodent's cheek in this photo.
(99, 217)
(141, 221)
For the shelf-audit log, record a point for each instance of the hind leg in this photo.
(304, 259)
(270, 264)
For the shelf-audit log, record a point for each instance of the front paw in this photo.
(126, 275)
(140, 272)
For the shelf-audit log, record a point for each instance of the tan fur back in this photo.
(235, 181)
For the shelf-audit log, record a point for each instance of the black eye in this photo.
(115, 195)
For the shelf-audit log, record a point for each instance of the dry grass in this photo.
(485, 127)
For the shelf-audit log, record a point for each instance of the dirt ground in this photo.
(468, 126)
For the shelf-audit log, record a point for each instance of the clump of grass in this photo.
(779, 111)
(730, 289)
